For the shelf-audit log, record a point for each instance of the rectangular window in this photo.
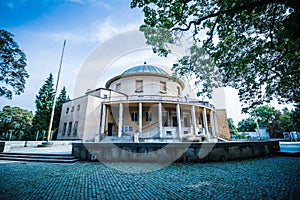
(105, 96)
(64, 129)
(148, 117)
(163, 86)
(165, 118)
(134, 116)
(70, 128)
(139, 86)
(75, 128)
(67, 111)
(186, 120)
(72, 109)
(118, 87)
(178, 91)
(78, 107)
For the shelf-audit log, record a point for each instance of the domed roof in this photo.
(145, 68)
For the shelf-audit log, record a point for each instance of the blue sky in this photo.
(41, 26)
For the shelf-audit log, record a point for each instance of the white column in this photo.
(178, 120)
(205, 122)
(212, 123)
(216, 124)
(140, 117)
(160, 120)
(103, 119)
(194, 119)
(120, 120)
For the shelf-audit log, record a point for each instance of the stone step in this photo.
(34, 157)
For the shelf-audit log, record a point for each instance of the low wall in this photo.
(173, 152)
(5, 146)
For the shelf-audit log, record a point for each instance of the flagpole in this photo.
(56, 91)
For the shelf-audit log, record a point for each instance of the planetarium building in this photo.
(143, 104)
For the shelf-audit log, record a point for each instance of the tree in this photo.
(247, 125)
(232, 128)
(285, 122)
(264, 114)
(44, 104)
(255, 44)
(15, 121)
(12, 66)
(295, 115)
(61, 99)
(275, 128)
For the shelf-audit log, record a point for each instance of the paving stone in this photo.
(267, 178)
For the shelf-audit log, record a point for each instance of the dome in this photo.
(145, 68)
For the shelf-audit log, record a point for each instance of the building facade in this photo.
(143, 104)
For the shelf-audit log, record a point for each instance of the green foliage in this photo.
(286, 122)
(275, 128)
(12, 66)
(247, 125)
(232, 128)
(61, 99)
(43, 103)
(295, 115)
(254, 44)
(264, 114)
(15, 120)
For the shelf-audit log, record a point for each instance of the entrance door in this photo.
(110, 128)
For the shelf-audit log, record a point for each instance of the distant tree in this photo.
(44, 104)
(61, 99)
(15, 120)
(286, 122)
(275, 128)
(12, 66)
(295, 115)
(232, 128)
(247, 125)
(255, 44)
(264, 114)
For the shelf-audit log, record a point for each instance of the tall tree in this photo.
(44, 104)
(264, 114)
(15, 121)
(295, 114)
(247, 125)
(255, 44)
(61, 99)
(286, 122)
(12, 66)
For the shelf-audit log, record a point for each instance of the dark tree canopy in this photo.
(44, 104)
(255, 44)
(12, 66)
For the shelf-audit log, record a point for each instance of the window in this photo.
(67, 111)
(78, 107)
(105, 96)
(70, 128)
(169, 133)
(186, 121)
(134, 116)
(118, 87)
(178, 91)
(163, 87)
(200, 121)
(72, 109)
(64, 129)
(75, 128)
(139, 86)
(165, 118)
(148, 117)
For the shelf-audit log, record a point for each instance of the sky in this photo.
(90, 28)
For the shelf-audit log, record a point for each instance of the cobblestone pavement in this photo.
(267, 178)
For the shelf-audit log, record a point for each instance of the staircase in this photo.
(39, 157)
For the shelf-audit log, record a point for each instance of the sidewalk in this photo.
(56, 149)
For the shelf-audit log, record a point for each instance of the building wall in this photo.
(222, 123)
(67, 116)
(151, 85)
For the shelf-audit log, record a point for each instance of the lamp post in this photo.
(54, 100)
